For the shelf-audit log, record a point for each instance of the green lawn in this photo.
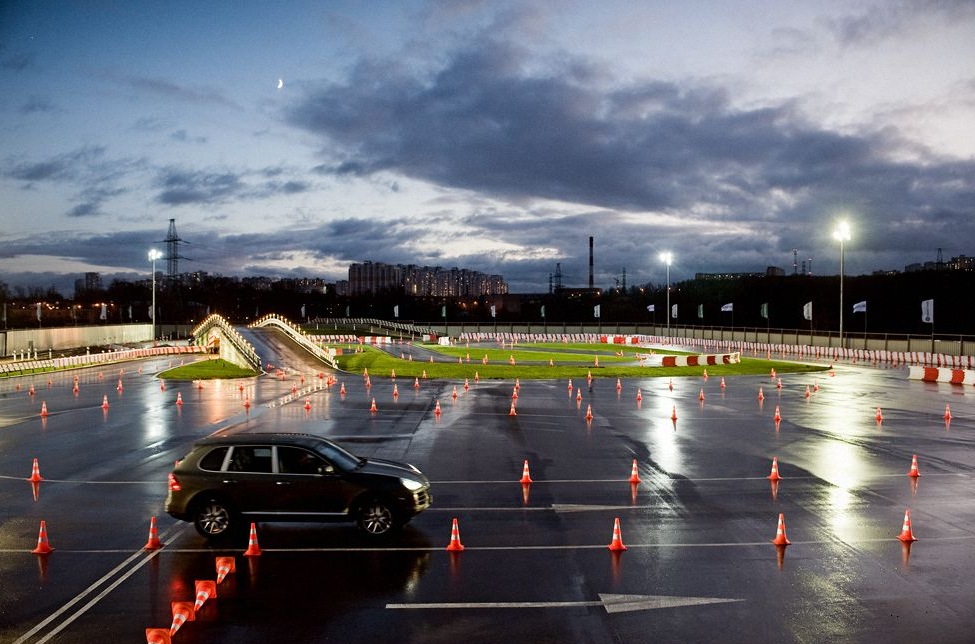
(568, 361)
(212, 369)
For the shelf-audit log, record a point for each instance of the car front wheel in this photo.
(376, 518)
(213, 518)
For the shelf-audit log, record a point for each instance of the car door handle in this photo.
(282, 482)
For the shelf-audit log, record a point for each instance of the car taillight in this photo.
(174, 485)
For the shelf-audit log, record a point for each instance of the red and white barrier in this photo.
(942, 374)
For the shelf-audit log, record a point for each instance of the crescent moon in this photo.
(280, 83)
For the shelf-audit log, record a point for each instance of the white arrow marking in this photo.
(612, 603)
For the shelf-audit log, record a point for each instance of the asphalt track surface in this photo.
(699, 564)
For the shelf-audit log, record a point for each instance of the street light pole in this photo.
(843, 235)
(153, 256)
(667, 258)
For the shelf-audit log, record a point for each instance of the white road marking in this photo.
(612, 603)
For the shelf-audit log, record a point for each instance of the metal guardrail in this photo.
(299, 337)
(243, 347)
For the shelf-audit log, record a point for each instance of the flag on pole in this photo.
(673, 311)
(443, 311)
(104, 312)
(396, 311)
(730, 306)
(807, 310)
(543, 311)
(302, 310)
(595, 311)
(764, 310)
(700, 310)
(860, 307)
(38, 311)
(927, 311)
(494, 312)
(652, 308)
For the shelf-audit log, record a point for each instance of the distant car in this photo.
(227, 481)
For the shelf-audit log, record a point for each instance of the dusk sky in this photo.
(294, 138)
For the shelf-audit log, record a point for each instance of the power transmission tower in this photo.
(172, 252)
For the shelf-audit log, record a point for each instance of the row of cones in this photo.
(526, 477)
(44, 544)
(185, 611)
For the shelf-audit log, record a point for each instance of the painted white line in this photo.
(612, 603)
(147, 557)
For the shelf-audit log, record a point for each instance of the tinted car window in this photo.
(214, 459)
(338, 457)
(250, 458)
(294, 460)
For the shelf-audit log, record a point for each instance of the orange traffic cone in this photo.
(225, 566)
(761, 395)
(772, 373)
(777, 417)
(35, 473)
(705, 374)
(673, 414)
(907, 534)
(179, 399)
(570, 385)
(588, 412)
(416, 383)
(578, 395)
(514, 394)
(153, 542)
(914, 473)
(436, 409)
(879, 417)
(43, 547)
(43, 409)
(467, 385)
(808, 392)
(453, 394)
(616, 545)
(455, 545)
(619, 385)
(395, 392)
(700, 396)
(104, 402)
(722, 385)
(780, 538)
(947, 412)
(182, 612)
(774, 476)
(158, 636)
(670, 385)
(639, 395)
(205, 589)
(372, 408)
(634, 473)
(512, 412)
(253, 550)
(525, 475)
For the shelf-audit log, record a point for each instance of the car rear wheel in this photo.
(214, 518)
(375, 517)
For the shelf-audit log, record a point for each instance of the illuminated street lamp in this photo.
(153, 256)
(842, 233)
(667, 258)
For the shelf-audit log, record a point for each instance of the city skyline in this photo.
(299, 139)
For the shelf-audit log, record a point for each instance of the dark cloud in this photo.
(184, 137)
(493, 121)
(37, 105)
(67, 166)
(168, 89)
(180, 187)
(895, 17)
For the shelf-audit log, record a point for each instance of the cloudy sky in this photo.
(294, 138)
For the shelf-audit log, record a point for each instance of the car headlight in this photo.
(411, 485)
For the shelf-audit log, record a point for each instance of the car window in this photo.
(340, 458)
(295, 460)
(213, 460)
(250, 458)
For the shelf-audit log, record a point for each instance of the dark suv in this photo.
(231, 479)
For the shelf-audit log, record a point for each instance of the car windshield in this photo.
(339, 457)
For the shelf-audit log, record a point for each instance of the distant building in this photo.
(771, 271)
(959, 263)
(422, 281)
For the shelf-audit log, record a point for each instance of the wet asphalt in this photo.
(699, 565)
